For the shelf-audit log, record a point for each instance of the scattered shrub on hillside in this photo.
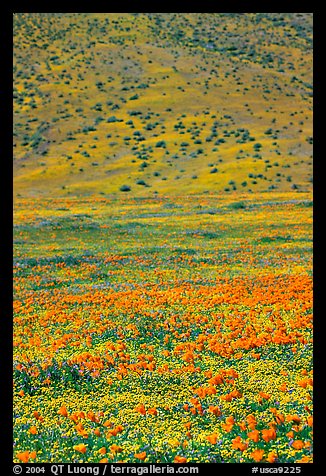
(125, 188)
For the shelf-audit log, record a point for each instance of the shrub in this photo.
(161, 143)
(125, 188)
(112, 119)
(237, 205)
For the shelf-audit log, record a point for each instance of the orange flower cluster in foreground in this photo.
(144, 337)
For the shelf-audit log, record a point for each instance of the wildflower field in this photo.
(163, 329)
(162, 237)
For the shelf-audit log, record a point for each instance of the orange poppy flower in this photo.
(141, 409)
(63, 411)
(215, 410)
(242, 425)
(180, 459)
(298, 444)
(237, 444)
(212, 438)
(115, 431)
(74, 417)
(269, 435)
(97, 432)
(141, 455)
(21, 393)
(115, 448)
(279, 418)
(257, 455)
(102, 450)
(271, 457)
(251, 422)
(211, 391)
(104, 460)
(227, 427)
(235, 394)
(216, 380)
(294, 418)
(81, 448)
(91, 415)
(108, 424)
(152, 411)
(264, 395)
(23, 457)
(194, 401)
(230, 420)
(33, 430)
(304, 459)
(254, 435)
(89, 341)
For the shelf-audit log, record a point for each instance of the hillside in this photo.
(149, 103)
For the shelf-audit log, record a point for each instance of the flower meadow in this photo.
(167, 329)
